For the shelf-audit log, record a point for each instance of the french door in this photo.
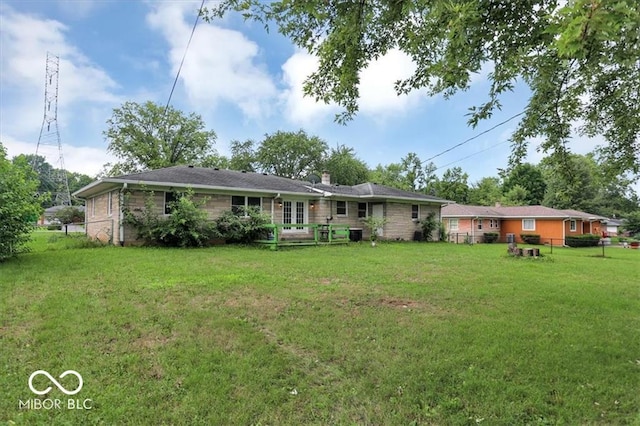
(293, 212)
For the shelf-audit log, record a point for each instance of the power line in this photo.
(193, 30)
(476, 136)
(471, 155)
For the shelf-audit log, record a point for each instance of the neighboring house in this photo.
(468, 223)
(613, 227)
(288, 201)
(49, 214)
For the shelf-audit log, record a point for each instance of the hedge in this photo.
(586, 240)
(490, 237)
(530, 238)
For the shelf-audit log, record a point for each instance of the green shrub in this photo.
(70, 214)
(442, 230)
(54, 227)
(19, 209)
(245, 226)
(530, 238)
(186, 226)
(429, 225)
(586, 240)
(490, 237)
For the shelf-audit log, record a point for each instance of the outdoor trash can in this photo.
(355, 234)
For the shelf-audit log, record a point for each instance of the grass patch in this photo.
(399, 334)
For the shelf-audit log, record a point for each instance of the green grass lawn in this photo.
(398, 334)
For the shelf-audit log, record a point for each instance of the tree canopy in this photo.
(345, 167)
(291, 154)
(579, 58)
(145, 136)
(527, 177)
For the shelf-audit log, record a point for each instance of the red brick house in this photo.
(470, 223)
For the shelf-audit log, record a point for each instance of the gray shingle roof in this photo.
(202, 177)
(232, 179)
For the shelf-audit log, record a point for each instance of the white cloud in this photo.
(377, 93)
(85, 92)
(24, 52)
(378, 97)
(87, 160)
(299, 108)
(221, 64)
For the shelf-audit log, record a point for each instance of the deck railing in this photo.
(297, 234)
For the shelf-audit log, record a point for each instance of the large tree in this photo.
(579, 58)
(486, 192)
(528, 177)
(19, 205)
(45, 173)
(291, 154)
(571, 184)
(243, 156)
(345, 167)
(453, 186)
(146, 136)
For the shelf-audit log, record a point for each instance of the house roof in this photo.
(233, 180)
(459, 210)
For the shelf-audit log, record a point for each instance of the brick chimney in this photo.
(326, 178)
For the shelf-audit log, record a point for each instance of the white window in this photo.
(415, 211)
(479, 223)
(239, 203)
(528, 224)
(453, 224)
(341, 208)
(109, 204)
(572, 225)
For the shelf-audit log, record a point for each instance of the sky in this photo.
(243, 81)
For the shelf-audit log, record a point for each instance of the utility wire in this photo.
(193, 30)
(471, 155)
(475, 137)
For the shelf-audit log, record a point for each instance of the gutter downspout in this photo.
(272, 209)
(273, 206)
(121, 214)
(472, 229)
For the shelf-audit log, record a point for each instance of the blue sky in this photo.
(243, 81)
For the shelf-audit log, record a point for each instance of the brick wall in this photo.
(101, 223)
(106, 227)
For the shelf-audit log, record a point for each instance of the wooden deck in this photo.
(318, 235)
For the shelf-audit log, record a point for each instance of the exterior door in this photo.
(293, 212)
(377, 211)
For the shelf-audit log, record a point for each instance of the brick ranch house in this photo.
(288, 201)
(474, 221)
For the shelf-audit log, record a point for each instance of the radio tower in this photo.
(49, 145)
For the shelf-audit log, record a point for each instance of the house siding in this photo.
(548, 229)
(469, 227)
(99, 224)
(108, 228)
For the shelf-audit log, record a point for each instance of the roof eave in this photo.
(195, 186)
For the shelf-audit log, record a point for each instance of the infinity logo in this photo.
(55, 382)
